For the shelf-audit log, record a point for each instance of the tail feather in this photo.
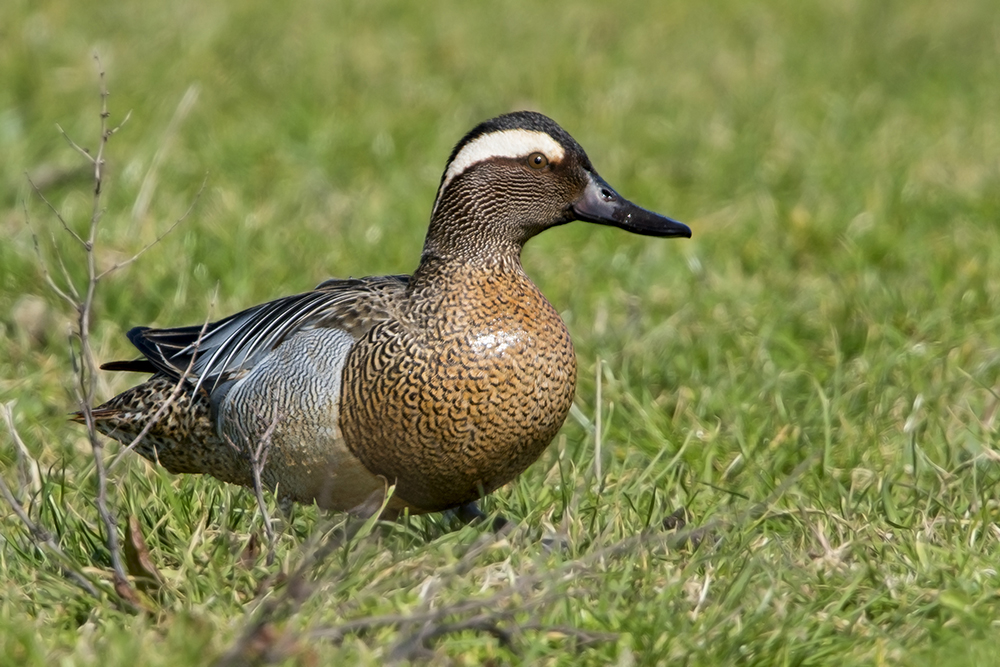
(132, 366)
(183, 439)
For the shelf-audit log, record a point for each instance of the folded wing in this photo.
(223, 350)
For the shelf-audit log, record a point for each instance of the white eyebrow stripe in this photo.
(505, 143)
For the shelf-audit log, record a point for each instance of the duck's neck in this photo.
(474, 229)
(464, 239)
(448, 272)
(451, 296)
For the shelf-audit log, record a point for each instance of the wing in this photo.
(222, 350)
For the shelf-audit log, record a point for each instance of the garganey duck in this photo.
(447, 383)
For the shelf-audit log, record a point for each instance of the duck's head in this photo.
(516, 175)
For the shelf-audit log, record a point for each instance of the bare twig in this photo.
(567, 573)
(257, 463)
(80, 149)
(45, 269)
(77, 147)
(258, 460)
(55, 212)
(159, 238)
(260, 636)
(84, 365)
(582, 637)
(30, 476)
(86, 372)
(418, 645)
(70, 283)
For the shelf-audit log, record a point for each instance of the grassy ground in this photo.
(815, 375)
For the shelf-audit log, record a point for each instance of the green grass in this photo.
(839, 305)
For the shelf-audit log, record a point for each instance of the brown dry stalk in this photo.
(84, 366)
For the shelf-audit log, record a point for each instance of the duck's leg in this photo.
(679, 522)
(470, 513)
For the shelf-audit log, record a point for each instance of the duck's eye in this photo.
(537, 161)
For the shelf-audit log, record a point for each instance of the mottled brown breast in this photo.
(464, 393)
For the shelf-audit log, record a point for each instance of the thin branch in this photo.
(28, 471)
(48, 277)
(80, 149)
(260, 636)
(418, 645)
(82, 355)
(257, 468)
(584, 637)
(159, 238)
(65, 272)
(120, 125)
(88, 376)
(105, 135)
(86, 371)
(55, 211)
(258, 460)
(77, 147)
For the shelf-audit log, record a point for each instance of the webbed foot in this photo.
(470, 513)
